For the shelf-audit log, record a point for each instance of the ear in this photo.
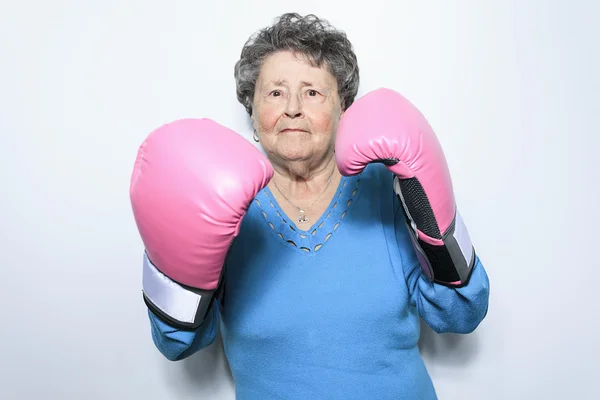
(251, 108)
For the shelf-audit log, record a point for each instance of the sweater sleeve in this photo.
(444, 309)
(177, 344)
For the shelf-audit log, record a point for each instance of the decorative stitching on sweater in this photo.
(314, 239)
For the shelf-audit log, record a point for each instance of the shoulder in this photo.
(379, 176)
(377, 183)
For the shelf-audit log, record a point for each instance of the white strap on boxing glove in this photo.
(183, 307)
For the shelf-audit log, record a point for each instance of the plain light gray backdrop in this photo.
(510, 86)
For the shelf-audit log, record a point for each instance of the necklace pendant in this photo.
(302, 218)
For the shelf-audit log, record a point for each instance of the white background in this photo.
(511, 87)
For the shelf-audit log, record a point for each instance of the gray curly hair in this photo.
(308, 35)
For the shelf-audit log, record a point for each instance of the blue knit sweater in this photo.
(331, 313)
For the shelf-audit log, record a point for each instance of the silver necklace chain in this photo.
(302, 218)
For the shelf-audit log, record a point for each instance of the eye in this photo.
(276, 93)
(312, 93)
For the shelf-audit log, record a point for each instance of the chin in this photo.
(293, 156)
(295, 150)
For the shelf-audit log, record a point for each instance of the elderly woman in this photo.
(318, 260)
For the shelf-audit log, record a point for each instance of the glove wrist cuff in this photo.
(180, 306)
(446, 256)
(451, 262)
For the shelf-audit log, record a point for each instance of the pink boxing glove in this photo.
(383, 126)
(192, 183)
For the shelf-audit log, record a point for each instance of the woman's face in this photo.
(296, 108)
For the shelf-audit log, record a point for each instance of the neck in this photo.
(302, 183)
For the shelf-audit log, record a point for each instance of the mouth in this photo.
(292, 130)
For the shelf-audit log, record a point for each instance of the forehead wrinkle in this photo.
(284, 82)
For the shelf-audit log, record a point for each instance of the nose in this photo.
(293, 108)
